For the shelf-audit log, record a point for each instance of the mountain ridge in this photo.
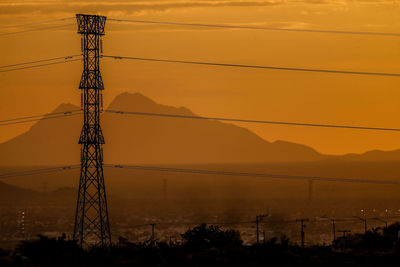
(149, 140)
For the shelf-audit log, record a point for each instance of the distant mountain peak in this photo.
(65, 107)
(137, 102)
(131, 101)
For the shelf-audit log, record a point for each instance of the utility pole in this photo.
(92, 226)
(334, 229)
(302, 230)
(153, 236)
(344, 232)
(365, 223)
(258, 217)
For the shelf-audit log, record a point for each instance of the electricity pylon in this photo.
(302, 230)
(92, 226)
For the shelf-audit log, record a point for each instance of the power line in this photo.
(37, 23)
(261, 222)
(191, 223)
(165, 169)
(39, 171)
(38, 61)
(226, 26)
(41, 115)
(164, 115)
(41, 65)
(55, 115)
(246, 174)
(258, 66)
(36, 29)
(252, 121)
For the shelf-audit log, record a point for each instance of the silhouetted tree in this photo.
(393, 230)
(377, 239)
(49, 251)
(203, 236)
(212, 246)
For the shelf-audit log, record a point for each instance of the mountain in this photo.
(14, 195)
(7, 191)
(145, 139)
(373, 155)
(155, 140)
(48, 142)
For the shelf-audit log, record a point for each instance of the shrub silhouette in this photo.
(212, 246)
(203, 236)
(377, 239)
(50, 251)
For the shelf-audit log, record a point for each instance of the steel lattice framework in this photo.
(92, 226)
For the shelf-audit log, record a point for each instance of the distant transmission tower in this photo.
(165, 181)
(92, 226)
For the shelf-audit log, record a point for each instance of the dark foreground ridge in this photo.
(212, 246)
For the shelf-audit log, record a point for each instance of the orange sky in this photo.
(211, 91)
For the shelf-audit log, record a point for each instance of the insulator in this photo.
(81, 44)
(101, 46)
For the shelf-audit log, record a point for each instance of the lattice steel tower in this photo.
(91, 219)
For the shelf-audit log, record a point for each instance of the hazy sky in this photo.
(213, 91)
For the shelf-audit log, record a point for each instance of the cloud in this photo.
(25, 10)
(159, 27)
(18, 8)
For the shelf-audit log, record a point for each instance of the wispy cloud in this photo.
(126, 26)
(120, 6)
(24, 9)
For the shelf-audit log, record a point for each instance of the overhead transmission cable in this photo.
(37, 29)
(332, 71)
(47, 116)
(246, 174)
(38, 171)
(37, 23)
(325, 220)
(39, 61)
(250, 121)
(192, 223)
(41, 115)
(197, 171)
(226, 26)
(165, 115)
(41, 65)
(202, 171)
